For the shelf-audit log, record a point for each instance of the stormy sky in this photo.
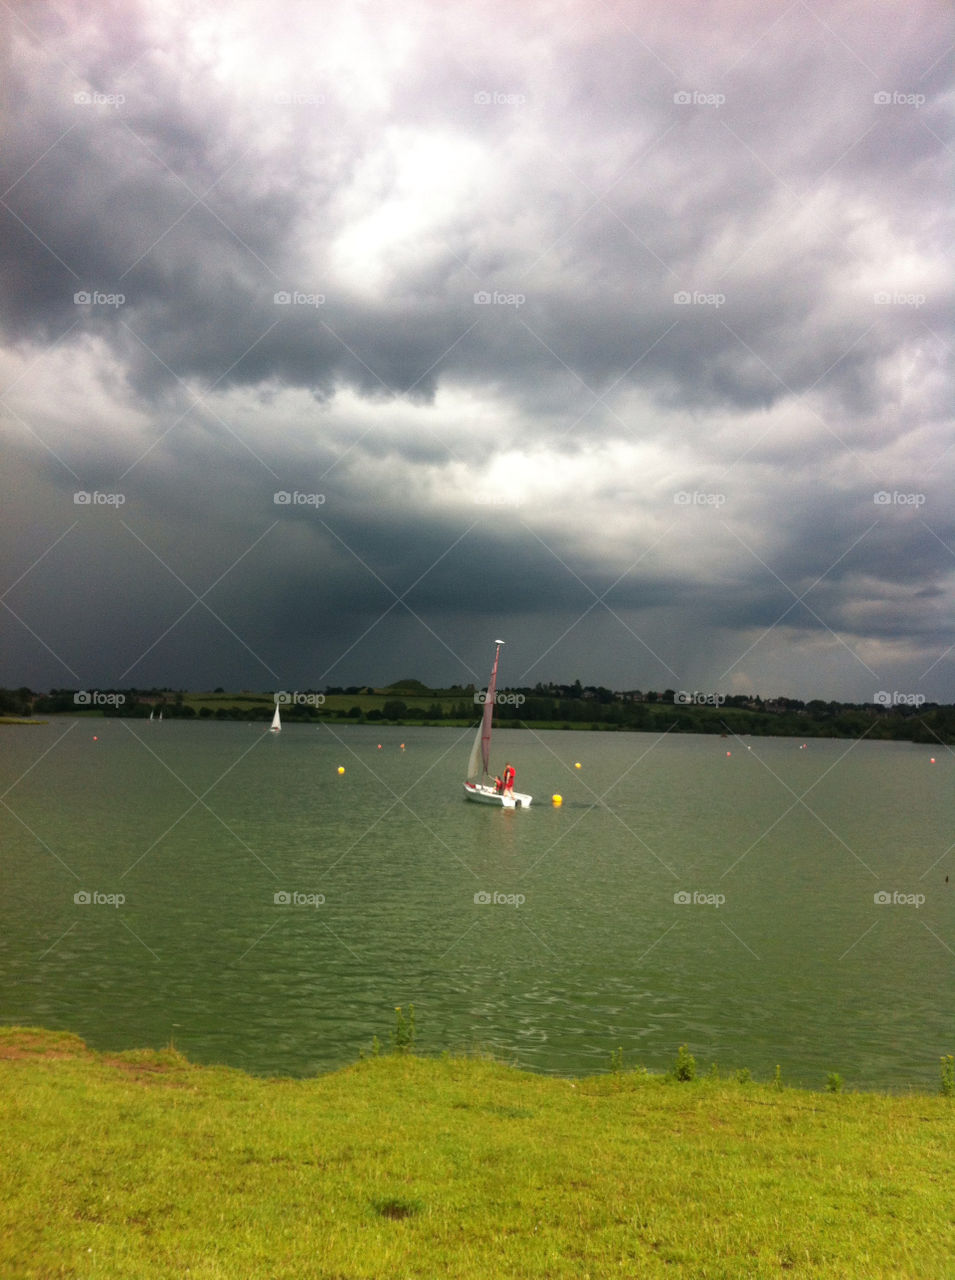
(340, 340)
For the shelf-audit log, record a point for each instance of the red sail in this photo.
(489, 712)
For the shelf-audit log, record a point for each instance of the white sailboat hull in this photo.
(481, 793)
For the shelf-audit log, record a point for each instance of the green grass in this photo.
(143, 1165)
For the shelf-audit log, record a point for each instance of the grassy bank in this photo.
(141, 1164)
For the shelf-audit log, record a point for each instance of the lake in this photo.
(759, 901)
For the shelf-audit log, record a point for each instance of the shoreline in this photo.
(43, 1043)
(530, 726)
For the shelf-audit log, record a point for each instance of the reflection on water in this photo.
(680, 893)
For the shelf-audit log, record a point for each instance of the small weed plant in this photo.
(947, 1075)
(402, 1038)
(684, 1068)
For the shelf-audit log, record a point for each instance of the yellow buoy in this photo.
(577, 765)
(341, 768)
(557, 800)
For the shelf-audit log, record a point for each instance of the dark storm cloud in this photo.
(116, 201)
(706, 240)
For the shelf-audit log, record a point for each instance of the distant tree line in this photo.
(567, 706)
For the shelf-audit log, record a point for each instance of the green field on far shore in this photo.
(142, 1165)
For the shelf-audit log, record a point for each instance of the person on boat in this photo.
(498, 783)
(509, 779)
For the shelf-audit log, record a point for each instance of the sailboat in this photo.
(478, 786)
(276, 721)
(150, 715)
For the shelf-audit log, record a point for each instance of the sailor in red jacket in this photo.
(508, 779)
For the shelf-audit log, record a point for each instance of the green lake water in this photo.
(781, 955)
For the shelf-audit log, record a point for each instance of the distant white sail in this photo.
(276, 721)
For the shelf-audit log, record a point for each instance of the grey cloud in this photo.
(798, 200)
